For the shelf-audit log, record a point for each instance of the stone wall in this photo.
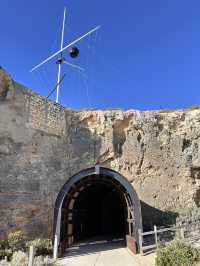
(43, 144)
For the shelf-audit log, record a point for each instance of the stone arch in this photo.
(73, 187)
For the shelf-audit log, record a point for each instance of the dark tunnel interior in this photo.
(99, 212)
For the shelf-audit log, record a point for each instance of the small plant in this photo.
(194, 107)
(19, 258)
(4, 244)
(178, 253)
(16, 240)
(42, 246)
(5, 253)
(188, 216)
(167, 111)
(43, 261)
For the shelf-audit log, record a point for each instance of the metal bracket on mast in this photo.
(60, 60)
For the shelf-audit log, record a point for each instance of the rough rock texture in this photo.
(42, 145)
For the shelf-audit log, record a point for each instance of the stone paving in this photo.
(98, 254)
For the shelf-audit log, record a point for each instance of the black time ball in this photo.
(74, 52)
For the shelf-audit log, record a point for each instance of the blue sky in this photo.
(146, 55)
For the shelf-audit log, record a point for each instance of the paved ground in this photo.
(98, 254)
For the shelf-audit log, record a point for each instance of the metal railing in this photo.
(151, 239)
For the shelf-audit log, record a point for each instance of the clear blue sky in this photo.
(146, 55)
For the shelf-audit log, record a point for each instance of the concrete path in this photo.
(98, 254)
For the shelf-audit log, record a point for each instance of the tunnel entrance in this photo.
(99, 212)
(98, 204)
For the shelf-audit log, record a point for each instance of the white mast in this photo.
(61, 58)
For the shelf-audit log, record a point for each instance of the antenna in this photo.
(73, 53)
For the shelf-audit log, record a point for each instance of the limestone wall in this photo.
(42, 145)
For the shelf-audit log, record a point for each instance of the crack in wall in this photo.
(119, 134)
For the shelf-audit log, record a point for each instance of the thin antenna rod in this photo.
(59, 64)
(67, 46)
(74, 66)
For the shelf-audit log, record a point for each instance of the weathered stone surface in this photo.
(42, 145)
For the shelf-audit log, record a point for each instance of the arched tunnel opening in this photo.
(97, 205)
(94, 209)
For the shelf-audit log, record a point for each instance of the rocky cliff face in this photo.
(42, 145)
